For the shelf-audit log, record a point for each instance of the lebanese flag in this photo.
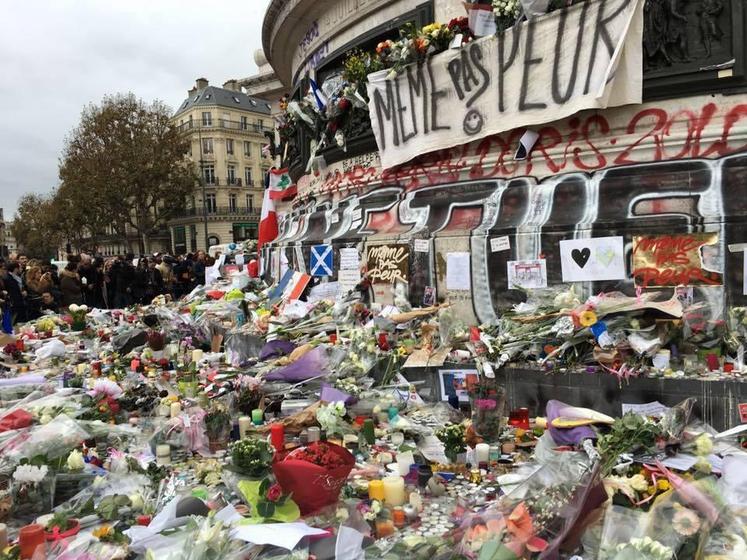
(268, 221)
(281, 186)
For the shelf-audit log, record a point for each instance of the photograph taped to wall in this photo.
(596, 258)
(527, 274)
(457, 382)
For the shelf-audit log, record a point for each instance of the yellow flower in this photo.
(103, 531)
(663, 485)
(651, 489)
(703, 445)
(587, 318)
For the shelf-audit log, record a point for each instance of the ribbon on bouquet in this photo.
(191, 425)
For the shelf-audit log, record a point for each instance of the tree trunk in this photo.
(145, 244)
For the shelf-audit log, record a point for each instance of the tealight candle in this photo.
(257, 417)
(394, 490)
(376, 490)
(197, 355)
(397, 439)
(245, 423)
(176, 409)
(482, 452)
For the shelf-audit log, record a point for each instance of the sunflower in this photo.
(587, 318)
(686, 522)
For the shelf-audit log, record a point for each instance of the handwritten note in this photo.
(501, 243)
(349, 259)
(422, 245)
(527, 274)
(388, 263)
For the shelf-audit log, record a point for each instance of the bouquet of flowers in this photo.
(452, 436)
(248, 394)
(506, 13)
(252, 457)
(31, 491)
(314, 474)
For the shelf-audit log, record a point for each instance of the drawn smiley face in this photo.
(473, 122)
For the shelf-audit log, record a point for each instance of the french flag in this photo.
(268, 221)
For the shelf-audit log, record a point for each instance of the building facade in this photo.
(227, 131)
(674, 163)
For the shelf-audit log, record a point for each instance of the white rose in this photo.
(46, 418)
(83, 308)
(75, 461)
(74, 308)
(137, 501)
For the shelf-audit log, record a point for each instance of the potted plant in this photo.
(61, 526)
(252, 457)
(78, 314)
(218, 427)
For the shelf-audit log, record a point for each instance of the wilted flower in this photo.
(75, 461)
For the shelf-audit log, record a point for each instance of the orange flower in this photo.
(521, 528)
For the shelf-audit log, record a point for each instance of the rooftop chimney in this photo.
(191, 92)
(201, 83)
(233, 85)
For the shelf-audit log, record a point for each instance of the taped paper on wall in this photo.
(527, 274)
(596, 258)
(457, 271)
(500, 244)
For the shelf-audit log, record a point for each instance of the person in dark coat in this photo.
(16, 295)
(91, 281)
(122, 275)
(153, 282)
(70, 285)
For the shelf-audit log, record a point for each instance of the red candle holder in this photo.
(519, 418)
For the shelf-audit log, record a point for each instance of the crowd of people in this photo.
(29, 287)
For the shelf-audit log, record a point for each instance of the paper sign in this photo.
(387, 264)
(300, 262)
(283, 535)
(500, 244)
(743, 413)
(527, 274)
(433, 450)
(349, 259)
(457, 271)
(328, 290)
(674, 260)
(647, 409)
(482, 20)
(422, 245)
(457, 382)
(348, 279)
(596, 258)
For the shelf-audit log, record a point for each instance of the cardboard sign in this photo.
(387, 264)
(523, 77)
(500, 244)
(674, 260)
(597, 258)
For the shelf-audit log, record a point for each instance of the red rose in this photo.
(343, 104)
(274, 493)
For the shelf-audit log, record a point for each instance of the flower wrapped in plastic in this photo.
(186, 433)
(314, 474)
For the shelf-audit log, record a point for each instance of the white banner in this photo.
(585, 57)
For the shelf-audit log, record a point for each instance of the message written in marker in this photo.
(388, 263)
(673, 260)
(583, 57)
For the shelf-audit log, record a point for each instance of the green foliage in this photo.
(627, 434)
(108, 508)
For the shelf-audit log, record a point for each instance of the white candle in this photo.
(416, 501)
(163, 454)
(176, 409)
(394, 490)
(482, 452)
(245, 423)
(197, 355)
(397, 439)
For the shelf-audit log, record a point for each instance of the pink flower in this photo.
(274, 493)
(105, 387)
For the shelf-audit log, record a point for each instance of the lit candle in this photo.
(394, 490)
(482, 453)
(257, 417)
(376, 490)
(244, 424)
(197, 355)
(163, 454)
(176, 409)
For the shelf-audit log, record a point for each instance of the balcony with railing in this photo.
(223, 124)
(222, 211)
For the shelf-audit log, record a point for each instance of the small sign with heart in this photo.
(595, 258)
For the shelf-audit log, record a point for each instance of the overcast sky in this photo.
(56, 56)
